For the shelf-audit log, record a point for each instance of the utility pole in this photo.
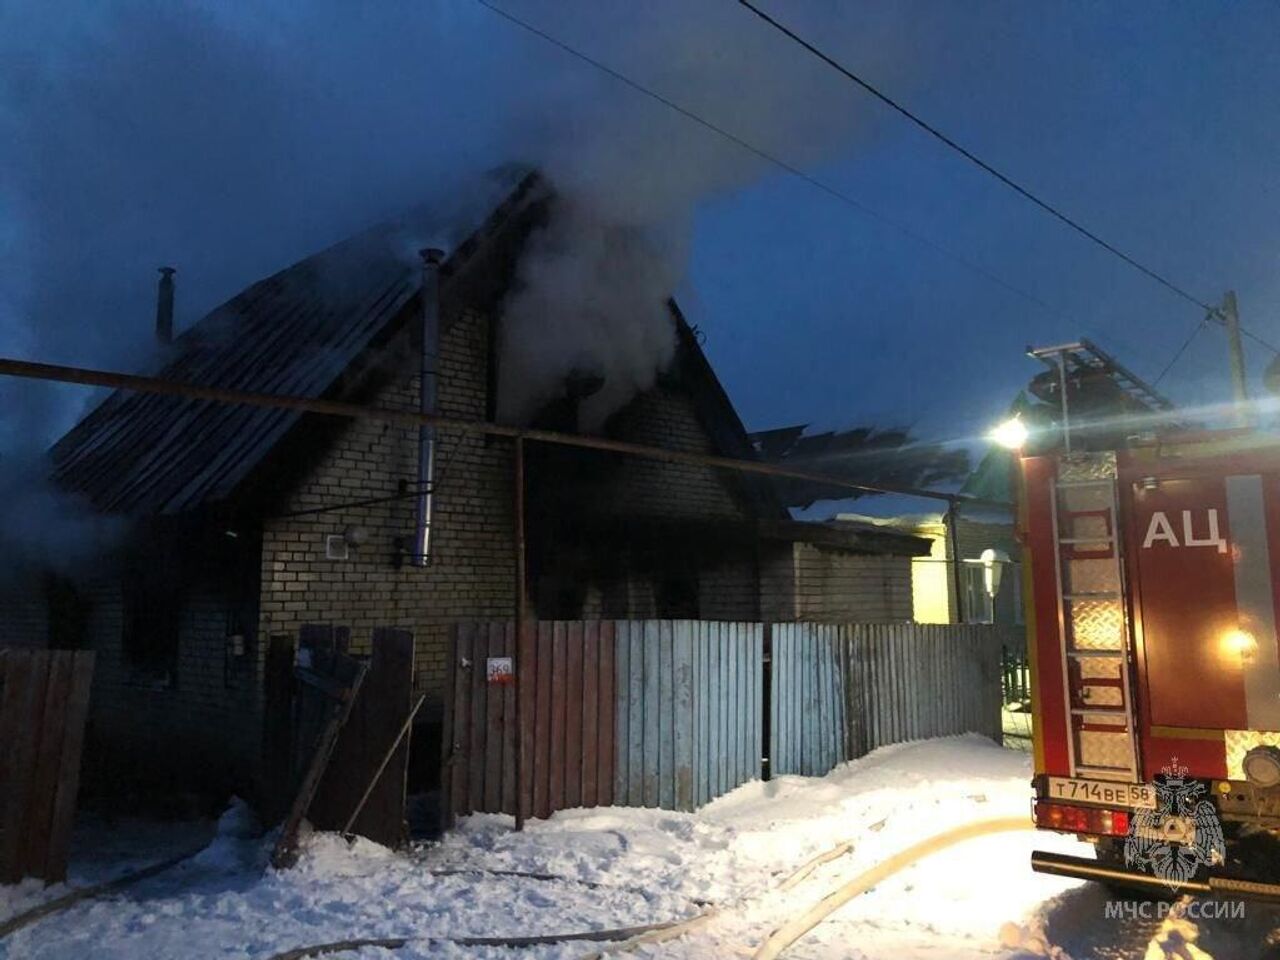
(1230, 318)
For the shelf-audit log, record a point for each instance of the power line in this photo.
(1260, 340)
(771, 158)
(1002, 177)
(973, 158)
(1181, 350)
(846, 198)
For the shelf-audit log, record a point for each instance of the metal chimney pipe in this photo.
(428, 384)
(164, 306)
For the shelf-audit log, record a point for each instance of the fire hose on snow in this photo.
(625, 938)
(795, 928)
(628, 938)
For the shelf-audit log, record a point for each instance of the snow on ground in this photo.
(620, 867)
(105, 849)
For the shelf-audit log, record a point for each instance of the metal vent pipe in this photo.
(428, 388)
(164, 306)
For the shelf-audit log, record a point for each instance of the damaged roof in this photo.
(306, 332)
(296, 333)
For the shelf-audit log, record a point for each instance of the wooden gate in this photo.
(44, 700)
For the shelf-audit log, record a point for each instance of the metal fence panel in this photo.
(670, 713)
(808, 716)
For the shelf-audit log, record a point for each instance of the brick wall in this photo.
(202, 729)
(809, 582)
(471, 571)
(665, 417)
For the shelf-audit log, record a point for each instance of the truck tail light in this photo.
(1097, 821)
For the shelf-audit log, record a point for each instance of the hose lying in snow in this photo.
(28, 917)
(551, 877)
(625, 934)
(660, 935)
(693, 923)
(795, 928)
(627, 938)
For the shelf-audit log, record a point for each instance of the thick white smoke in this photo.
(632, 171)
(231, 139)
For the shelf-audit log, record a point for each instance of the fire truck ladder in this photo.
(1094, 628)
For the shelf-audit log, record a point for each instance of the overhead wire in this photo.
(999, 175)
(1181, 350)
(771, 158)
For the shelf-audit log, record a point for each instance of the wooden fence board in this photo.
(448, 729)
(376, 719)
(606, 712)
(46, 762)
(559, 652)
(573, 693)
(42, 716)
(542, 722)
(622, 713)
(635, 702)
(527, 680)
(493, 721)
(72, 747)
(479, 719)
(25, 686)
(510, 731)
(590, 795)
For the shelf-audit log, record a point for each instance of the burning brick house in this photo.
(249, 522)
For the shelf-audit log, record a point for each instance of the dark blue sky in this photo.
(1157, 125)
(232, 140)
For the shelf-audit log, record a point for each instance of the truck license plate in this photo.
(1140, 795)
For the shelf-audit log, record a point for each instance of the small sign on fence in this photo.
(500, 670)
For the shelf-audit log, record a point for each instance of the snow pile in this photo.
(613, 867)
(237, 846)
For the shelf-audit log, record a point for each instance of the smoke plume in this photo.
(229, 140)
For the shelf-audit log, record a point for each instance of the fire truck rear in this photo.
(1151, 604)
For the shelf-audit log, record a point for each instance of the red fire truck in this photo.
(1151, 602)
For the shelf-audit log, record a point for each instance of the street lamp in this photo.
(1012, 434)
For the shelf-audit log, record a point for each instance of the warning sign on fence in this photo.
(500, 670)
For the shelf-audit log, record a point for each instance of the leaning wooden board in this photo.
(377, 715)
(44, 702)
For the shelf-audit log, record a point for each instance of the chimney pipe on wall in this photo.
(164, 306)
(427, 403)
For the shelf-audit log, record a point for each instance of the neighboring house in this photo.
(249, 522)
(990, 571)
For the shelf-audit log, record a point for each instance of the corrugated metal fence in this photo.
(839, 691)
(652, 713)
(671, 713)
